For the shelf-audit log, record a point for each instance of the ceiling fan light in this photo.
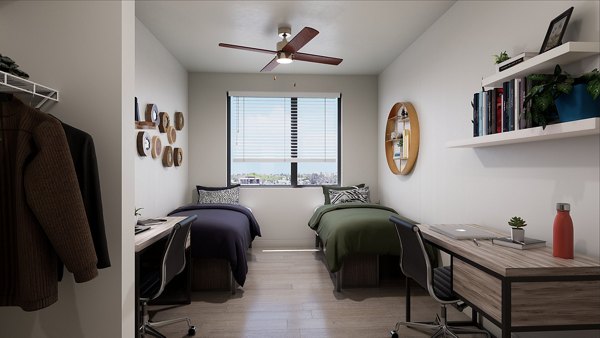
(284, 58)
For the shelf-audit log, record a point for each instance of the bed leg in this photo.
(317, 242)
(232, 283)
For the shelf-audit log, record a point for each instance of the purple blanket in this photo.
(222, 231)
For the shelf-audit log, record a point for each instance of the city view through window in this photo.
(283, 141)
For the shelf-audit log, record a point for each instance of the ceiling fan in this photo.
(288, 51)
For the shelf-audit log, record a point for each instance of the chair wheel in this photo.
(192, 331)
(394, 334)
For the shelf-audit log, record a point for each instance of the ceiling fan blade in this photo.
(270, 66)
(301, 39)
(317, 58)
(251, 49)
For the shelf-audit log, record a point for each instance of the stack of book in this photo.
(528, 243)
(515, 60)
(151, 221)
(500, 110)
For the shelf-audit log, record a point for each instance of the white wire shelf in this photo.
(13, 84)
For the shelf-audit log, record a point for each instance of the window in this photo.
(277, 140)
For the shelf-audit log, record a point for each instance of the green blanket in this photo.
(350, 228)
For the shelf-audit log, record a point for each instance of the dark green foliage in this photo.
(593, 82)
(499, 58)
(517, 222)
(546, 88)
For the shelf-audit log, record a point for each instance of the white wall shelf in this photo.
(566, 53)
(40, 94)
(585, 127)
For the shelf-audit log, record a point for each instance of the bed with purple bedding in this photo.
(222, 231)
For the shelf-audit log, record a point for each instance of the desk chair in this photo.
(437, 281)
(172, 263)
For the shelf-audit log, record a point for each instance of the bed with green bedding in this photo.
(354, 228)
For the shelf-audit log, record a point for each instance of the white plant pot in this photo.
(517, 234)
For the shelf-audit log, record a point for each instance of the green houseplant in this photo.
(137, 214)
(540, 101)
(501, 57)
(517, 232)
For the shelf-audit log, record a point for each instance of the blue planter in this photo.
(577, 105)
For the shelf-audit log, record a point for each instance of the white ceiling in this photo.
(368, 35)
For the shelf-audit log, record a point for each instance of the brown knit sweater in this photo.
(41, 210)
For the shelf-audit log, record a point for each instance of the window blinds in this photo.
(284, 129)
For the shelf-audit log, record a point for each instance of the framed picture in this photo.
(556, 30)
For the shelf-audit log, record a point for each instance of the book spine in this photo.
(505, 108)
(484, 113)
(499, 105)
(405, 142)
(475, 105)
(517, 106)
(491, 111)
(528, 116)
(513, 63)
(522, 93)
(511, 105)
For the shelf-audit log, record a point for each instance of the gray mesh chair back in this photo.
(173, 262)
(416, 265)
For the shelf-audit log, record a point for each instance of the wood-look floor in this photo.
(291, 294)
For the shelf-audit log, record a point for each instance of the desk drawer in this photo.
(549, 303)
(477, 287)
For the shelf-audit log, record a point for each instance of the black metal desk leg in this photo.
(407, 299)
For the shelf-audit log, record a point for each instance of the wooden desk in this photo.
(155, 233)
(144, 242)
(523, 290)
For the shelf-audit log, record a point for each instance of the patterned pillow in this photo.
(226, 195)
(360, 195)
(327, 189)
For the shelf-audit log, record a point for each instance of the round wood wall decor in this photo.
(143, 143)
(179, 121)
(164, 121)
(171, 134)
(156, 146)
(167, 159)
(178, 157)
(151, 112)
(402, 138)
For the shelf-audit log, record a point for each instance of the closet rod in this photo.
(13, 84)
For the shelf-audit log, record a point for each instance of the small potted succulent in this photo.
(517, 233)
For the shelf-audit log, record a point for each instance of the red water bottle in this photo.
(562, 239)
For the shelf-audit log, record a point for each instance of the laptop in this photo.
(462, 231)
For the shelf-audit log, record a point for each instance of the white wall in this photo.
(160, 79)
(439, 73)
(79, 48)
(283, 213)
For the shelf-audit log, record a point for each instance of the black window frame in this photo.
(293, 165)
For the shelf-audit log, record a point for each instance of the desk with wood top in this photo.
(148, 241)
(523, 290)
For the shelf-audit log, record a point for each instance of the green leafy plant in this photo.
(499, 58)
(539, 101)
(593, 82)
(517, 222)
(137, 212)
(546, 88)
